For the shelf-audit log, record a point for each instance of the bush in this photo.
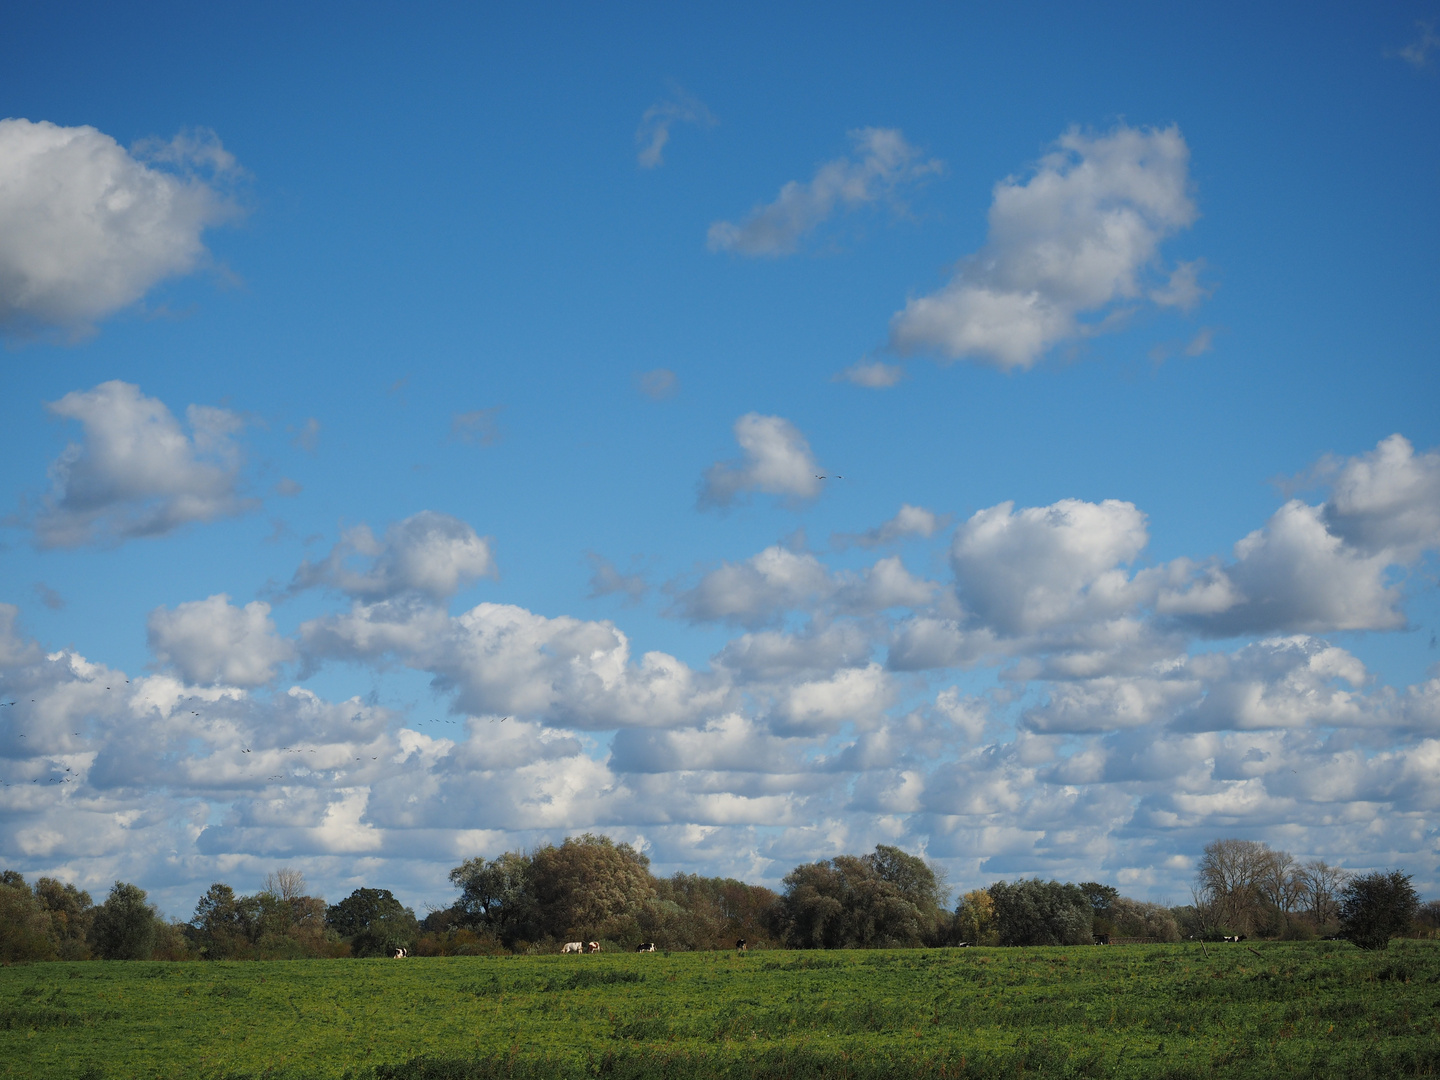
(24, 928)
(1377, 907)
(1039, 912)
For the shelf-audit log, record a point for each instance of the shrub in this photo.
(1376, 907)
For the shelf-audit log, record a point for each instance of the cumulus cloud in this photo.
(776, 460)
(1321, 568)
(1079, 236)
(137, 473)
(1047, 566)
(429, 553)
(213, 641)
(502, 659)
(910, 521)
(880, 166)
(87, 228)
(871, 374)
(653, 134)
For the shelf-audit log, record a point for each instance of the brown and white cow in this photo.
(593, 946)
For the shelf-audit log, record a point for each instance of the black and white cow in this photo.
(399, 954)
(645, 946)
(740, 945)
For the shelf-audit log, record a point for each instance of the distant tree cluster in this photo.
(590, 888)
(1246, 887)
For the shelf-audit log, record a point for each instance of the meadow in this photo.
(1312, 1009)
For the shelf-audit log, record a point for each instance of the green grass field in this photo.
(1303, 1010)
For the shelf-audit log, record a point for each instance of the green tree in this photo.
(373, 922)
(221, 927)
(1039, 912)
(589, 886)
(70, 911)
(1376, 907)
(886, 899)
(124, 926)
(975, 919)
(24, 929)
(495, 895)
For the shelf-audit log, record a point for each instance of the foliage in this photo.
(24, 929)
(495, 895)
(883, 900)
(1039, 912)
(70, 911)
(1320, 1010)
(124, 926)
(373, 922)
(1376, 907)
(589, 887)
(975, 919)
(1136, 918)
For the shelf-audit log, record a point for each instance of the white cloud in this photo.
(758, 590)
(654, 131)
(1388, 500)
(1075, 238)
(429, 553)
(871, 374)
(87, 228)
(852, 695)
(881, 165)
(137, 473)
(500, 659)
(1047, 566)
(910, 521)
(659, 384)
(1417, 53)
(776, 460)
(212, 641)
(1278, 683)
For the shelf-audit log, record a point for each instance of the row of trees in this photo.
(591, 888)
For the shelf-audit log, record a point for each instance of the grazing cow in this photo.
(645, 946)
(1234, 937)
(400, 954)
(593, 946)
(962, 944)
(1102, 939)
(572, 946)
(740, 945)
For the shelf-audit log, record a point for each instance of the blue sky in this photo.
(431, 365)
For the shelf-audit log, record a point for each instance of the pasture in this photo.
(1315, 1009)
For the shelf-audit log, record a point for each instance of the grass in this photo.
(1297, 1009)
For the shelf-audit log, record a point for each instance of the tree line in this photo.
(592, 888)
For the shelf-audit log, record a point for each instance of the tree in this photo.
(373, 922)
(70, 911)
(124, 926)
(222, 926)
(1136, 918)
(1101, 898)
(24, 929)
(975, 919)
(1227, 884)
(285, 884)
(1376, 907)
(589, 887)
(495, 895)
(1039, 912)
(882, 900)
(1320, 887)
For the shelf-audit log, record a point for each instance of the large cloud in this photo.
(137, 473)
(1075, 238)
(87, 228)
(882, 164)
(213, 641)
(429, 553)
(776, 460)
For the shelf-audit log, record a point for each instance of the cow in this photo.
(400, 954)
(740, 945)
(572, 946)
(593, 947)
(1234, 937)
(1102, 939)
(645, 946)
